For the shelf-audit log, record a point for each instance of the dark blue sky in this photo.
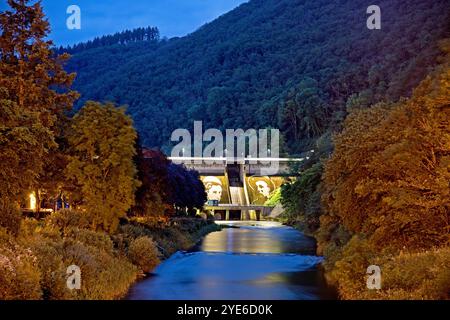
(99, 17)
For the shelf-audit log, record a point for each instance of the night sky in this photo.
(172, 17)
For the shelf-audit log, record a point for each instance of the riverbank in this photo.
(407, 274)
(179, 233)
(34, 263)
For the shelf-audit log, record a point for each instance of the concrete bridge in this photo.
(240, 186)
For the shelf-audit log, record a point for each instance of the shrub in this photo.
(9, 217)
(68, 218)
(102, 275)
(98, 240)
(350, 270)
(144, 254)
(19, 277)
(416, 275)
(422, 275)
(172, 240)
(50, 262)
(105, 274)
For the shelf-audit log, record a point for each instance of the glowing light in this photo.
(32, 201)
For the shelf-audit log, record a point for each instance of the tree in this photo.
(101, 163)
(187, 191)
(34, 93)
(304, 113)
(389, 175)
(152, 195)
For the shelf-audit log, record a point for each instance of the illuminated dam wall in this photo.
(239, 191)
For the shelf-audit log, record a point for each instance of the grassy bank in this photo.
(33, 265)
(419, 274)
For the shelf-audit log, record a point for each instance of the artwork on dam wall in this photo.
(216, 188)
(260, 188)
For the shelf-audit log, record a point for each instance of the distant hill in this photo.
(292, 64)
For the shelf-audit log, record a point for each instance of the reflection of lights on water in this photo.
(32, 201)
(259, 224)
(229, 241)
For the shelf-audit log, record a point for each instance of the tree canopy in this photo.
(34, 94)
(249, 67)
(101, 163)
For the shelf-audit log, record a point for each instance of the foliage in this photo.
(416, 275)
(301, 199)
(19, 278)
(386, 195)
(244, 69)
(186, 189)
(34, 93)
(35, 264)
(166, 188)
(101, 163)
(388, 177)
(152, 196)
(10, 215)
(143, 253)
(274, 199)
(65, 219)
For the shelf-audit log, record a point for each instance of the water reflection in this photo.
(262, 261)
(258, 237)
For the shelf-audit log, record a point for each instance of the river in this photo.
(251, 260)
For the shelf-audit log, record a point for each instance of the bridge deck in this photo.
(237, 207)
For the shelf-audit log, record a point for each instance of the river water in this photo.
(251, 261)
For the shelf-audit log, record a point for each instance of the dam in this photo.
(239, 189)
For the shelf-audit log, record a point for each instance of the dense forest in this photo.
(291, 64)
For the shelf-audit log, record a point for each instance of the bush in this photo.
(50, 262)
(422, 275)
(10, 217)
(418, 275)
(19, 277)
(349, 271)
(172, 239)
(102, 275)
(144, 254)
(105, 273)
(98, 240)
(68, 218)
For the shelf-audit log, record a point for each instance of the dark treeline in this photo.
(150, 34)
(167, 188)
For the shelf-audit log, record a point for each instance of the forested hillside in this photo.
(292, 64)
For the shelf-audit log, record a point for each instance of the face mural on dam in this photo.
(260, 188)
(216, 188)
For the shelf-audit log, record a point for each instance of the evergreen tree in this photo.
(33, 95)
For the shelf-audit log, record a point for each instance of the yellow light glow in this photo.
(32, 201)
